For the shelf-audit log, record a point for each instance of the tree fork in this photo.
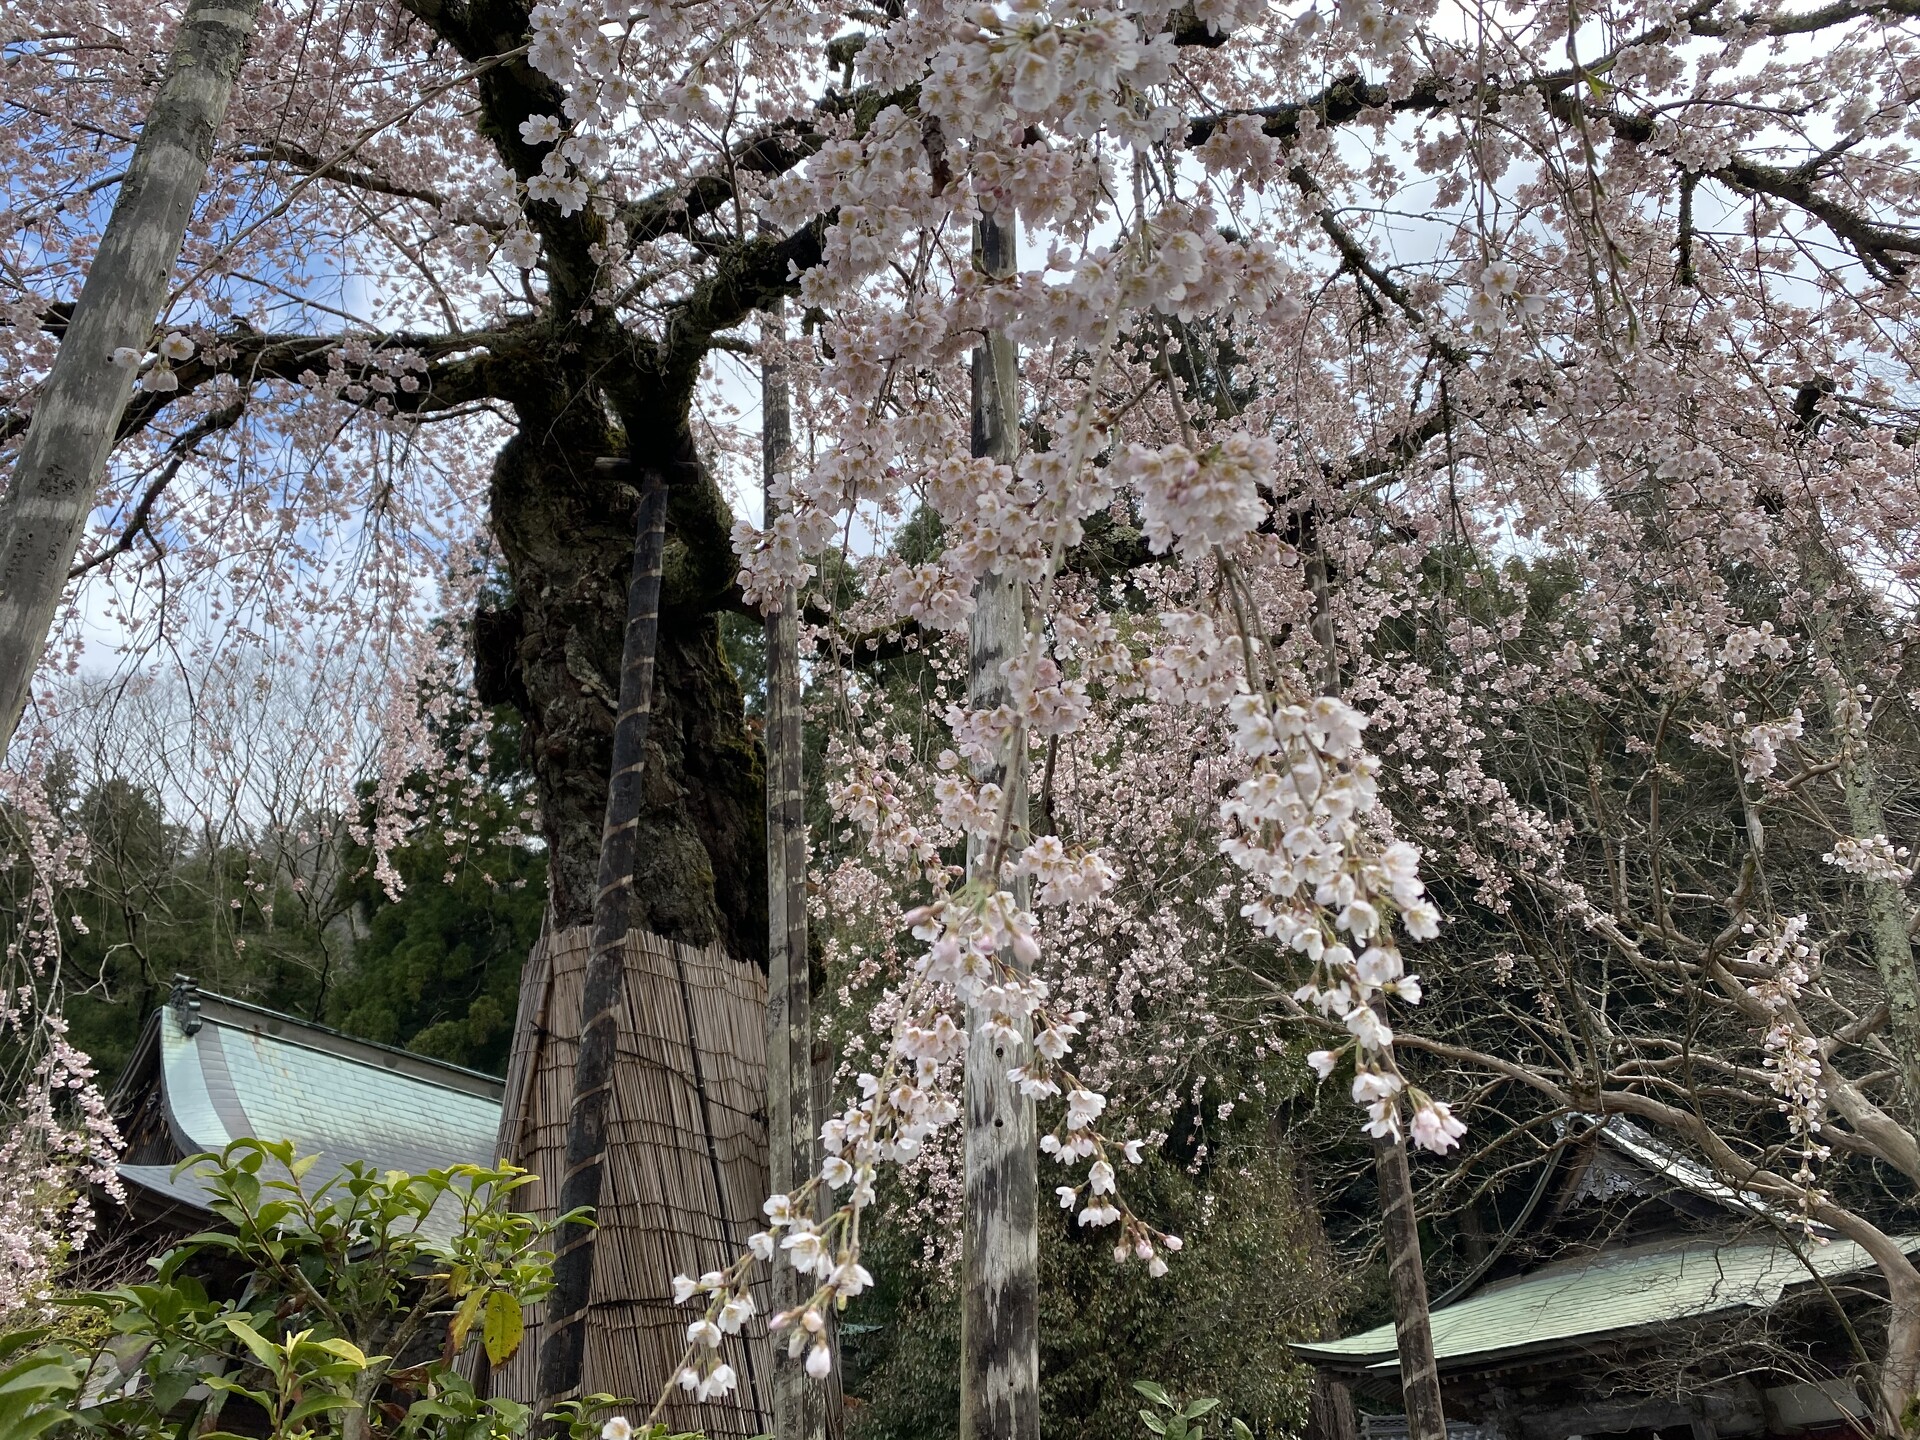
(44, 512)
(1000, 1266)
(603, 1000)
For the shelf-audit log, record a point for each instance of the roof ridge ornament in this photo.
(185, 1001)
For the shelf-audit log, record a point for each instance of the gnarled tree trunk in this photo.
(686, 1139)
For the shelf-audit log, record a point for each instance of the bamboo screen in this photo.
(689, 1110)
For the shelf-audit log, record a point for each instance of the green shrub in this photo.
(341, 1310)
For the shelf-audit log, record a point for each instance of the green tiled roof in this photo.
(276, 1081)
(245, 1072)
(1605, 1293)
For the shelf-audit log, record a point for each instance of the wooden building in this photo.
(1644, 1300)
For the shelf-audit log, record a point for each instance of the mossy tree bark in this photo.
(563, 528)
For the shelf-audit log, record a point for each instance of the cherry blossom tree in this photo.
(1325, 317)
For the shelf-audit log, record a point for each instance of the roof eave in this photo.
(1377, 1363)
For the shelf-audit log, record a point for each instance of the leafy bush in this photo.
(1171, 1419)
(341, 1310)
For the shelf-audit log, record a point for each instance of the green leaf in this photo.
(1198, 1408)
(500, 1332)
(204, 1157)
(1240, 1430)
(245, 1188)
(171, 1388)
(1152, 1422)
(346, 1350)
(464, 1317)
(264, 1350)
(18, 1340)
(36, 1376)
(233, 1387)
(317, 1404)
(32, 1392)
(1153, 1392)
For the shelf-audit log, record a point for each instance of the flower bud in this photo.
(819, 1360)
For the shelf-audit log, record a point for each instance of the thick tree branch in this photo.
(462, 369)
(748, 278)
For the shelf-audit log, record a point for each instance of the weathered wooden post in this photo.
(1000, 1268)
(1406, 1271)
(77, 415)
(802, 1409)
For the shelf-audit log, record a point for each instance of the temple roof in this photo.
(227, 1070)
(1608, 1293)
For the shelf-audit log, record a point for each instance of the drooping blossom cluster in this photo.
(1789, 961)
(1762, 743)
(60, 1145)
(1330, 892)
(1873, 857)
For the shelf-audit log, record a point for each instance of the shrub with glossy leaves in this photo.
(316, 1308)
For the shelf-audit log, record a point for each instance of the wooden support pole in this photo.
(1000, 1279)
(77, 414)
(1406, 1270)
(1407, 1283)
(603, 1001)
(802, 1408)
